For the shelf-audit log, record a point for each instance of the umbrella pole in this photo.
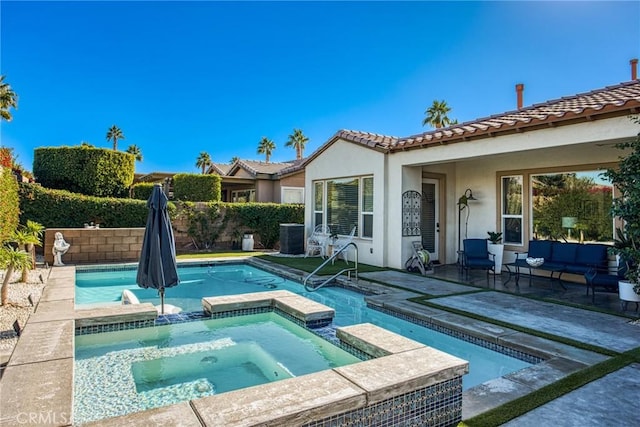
(162, 301)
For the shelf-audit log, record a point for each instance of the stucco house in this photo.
(400, 189)
(249, 181)
(256, 181)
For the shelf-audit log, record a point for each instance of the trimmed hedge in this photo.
(265, 218)
(62, 209)
(85, 170)
(205, 226)
(197, 188)
(9, 204)
(142, 190)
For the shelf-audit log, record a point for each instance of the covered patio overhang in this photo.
(481, 166)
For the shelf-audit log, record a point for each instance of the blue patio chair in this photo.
(476, 256)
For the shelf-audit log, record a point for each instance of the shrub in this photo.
(9, 206)
(142, 190)
(63, 209)
(627, 207)
(196, 188)
(85, 170)
(204, 226)
(6, 157)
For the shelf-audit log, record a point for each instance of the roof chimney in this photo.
(519, 91)
(634, 69)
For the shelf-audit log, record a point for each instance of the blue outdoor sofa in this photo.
(561, 257)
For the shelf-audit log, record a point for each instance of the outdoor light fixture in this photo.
(463, 203)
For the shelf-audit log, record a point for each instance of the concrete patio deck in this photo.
(610, 400)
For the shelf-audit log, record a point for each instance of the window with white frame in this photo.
(342, 204)
(318, 202)
(345, 203)
(560, 205)
(512, 216)
(292, 195)
(367, 207)
(571, 206)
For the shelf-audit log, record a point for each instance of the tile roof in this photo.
(256, 167)
(220, 168)
(618, 100)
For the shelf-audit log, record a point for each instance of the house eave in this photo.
(630, 108)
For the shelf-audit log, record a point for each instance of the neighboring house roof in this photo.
(255, 168)
(219, 168)
(153, 176)
(609, 101)
(251, 169)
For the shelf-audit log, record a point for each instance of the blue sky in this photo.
(183, 77)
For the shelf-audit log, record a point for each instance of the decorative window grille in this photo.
(411, 213)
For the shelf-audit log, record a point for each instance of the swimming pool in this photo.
(229, 279)
(99, 286)
(138, 369)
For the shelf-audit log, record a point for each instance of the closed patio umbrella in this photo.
(158, 268)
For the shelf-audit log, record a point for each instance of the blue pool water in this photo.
(138, 369)
(230, 279)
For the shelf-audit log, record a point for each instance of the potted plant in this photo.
(627, 208)
(627, 289)
(495, 246)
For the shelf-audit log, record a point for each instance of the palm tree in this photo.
(135, 150)
(11, 259)
(266, 147)
(33, 229)
(27, 239)
(234, 159)
(203, 160)
(114, 134)
(297, 140)
(436, 115)
(8, 99)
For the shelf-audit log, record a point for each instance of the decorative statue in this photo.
(60, 247)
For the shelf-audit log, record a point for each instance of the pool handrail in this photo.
(332, 258)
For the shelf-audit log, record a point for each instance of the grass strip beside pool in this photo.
(311, 263)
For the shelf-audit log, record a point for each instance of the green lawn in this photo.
(225, 254)
(303, 264)
(311, 263)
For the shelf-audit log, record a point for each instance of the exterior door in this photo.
(430, 221)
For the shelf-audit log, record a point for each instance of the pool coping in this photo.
(28, 393)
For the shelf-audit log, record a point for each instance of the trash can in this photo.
(247, 242)
(292, 239)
